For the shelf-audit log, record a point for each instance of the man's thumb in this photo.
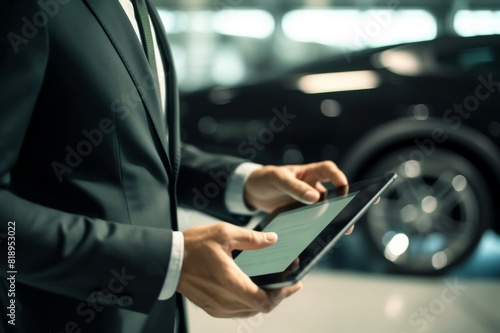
(253, 240)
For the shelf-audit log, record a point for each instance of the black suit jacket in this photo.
(90, 171)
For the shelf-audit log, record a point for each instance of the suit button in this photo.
(125, 301)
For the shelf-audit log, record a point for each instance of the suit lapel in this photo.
(120, 32)
(172, 91)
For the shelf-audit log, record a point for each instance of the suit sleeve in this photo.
(57, 251)
(203, 181)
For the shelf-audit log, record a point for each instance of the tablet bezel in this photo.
(368, 192)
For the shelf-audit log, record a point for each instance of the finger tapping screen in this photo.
(296, 229)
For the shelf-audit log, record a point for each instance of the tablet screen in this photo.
(306, 233)
(296, 229)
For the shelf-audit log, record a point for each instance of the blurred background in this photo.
(227, 42)
(405, 86)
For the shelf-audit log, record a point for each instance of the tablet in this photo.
(306, 233)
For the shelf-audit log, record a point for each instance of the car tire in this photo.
(433, 216)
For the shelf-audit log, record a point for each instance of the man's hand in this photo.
(271, 187)
(211, 279)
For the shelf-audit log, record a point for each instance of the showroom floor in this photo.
(360, 299)
(353, 302)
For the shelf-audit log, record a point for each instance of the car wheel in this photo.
(434, 214)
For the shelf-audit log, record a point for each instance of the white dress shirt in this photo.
(234, 199)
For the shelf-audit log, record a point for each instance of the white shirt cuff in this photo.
(174, 267)
(234, 196)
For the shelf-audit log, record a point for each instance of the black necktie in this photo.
(142, 17)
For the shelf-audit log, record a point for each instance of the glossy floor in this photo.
(351, 293)
(354, 302)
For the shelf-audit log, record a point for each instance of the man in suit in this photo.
(92, 170)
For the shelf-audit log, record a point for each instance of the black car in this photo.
(428, 111)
